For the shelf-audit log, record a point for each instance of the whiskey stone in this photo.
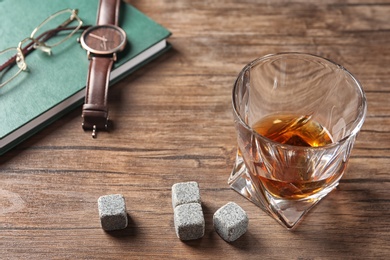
(185, 192)
(230, 222)
(112, 212)
(189, 221)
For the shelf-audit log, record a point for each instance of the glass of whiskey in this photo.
(297, 117)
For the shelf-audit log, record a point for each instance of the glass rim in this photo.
(358, 122)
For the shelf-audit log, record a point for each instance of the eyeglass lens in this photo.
(62, 18)
(7, 73)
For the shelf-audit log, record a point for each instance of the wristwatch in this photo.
(102, 42)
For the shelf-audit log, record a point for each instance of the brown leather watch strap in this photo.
(95, 111)
(108, 12)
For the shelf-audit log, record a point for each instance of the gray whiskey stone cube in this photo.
(189, 221)
(185, 192)
(230, 222)
(112, 212)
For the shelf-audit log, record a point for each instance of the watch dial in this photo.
(104, 39)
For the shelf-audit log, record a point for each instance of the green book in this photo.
(55, 84)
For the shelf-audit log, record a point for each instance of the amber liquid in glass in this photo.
(294, 130)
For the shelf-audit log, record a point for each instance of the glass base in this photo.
(287, 212)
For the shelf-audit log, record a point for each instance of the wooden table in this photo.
(173, 123)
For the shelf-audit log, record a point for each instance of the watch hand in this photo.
(104, 42)
(98, 37)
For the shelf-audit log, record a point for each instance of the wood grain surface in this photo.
(173, 122)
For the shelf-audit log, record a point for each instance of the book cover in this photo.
(55, 84)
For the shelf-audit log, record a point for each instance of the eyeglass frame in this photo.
(37, 43)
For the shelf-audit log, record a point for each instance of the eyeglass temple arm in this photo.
(45, 36)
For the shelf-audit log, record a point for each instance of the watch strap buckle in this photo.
(95, 118)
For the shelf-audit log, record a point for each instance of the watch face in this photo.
(103, 39)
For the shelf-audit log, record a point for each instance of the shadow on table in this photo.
(348, 220)
(130, 231)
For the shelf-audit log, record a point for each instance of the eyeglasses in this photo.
(50, 33)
